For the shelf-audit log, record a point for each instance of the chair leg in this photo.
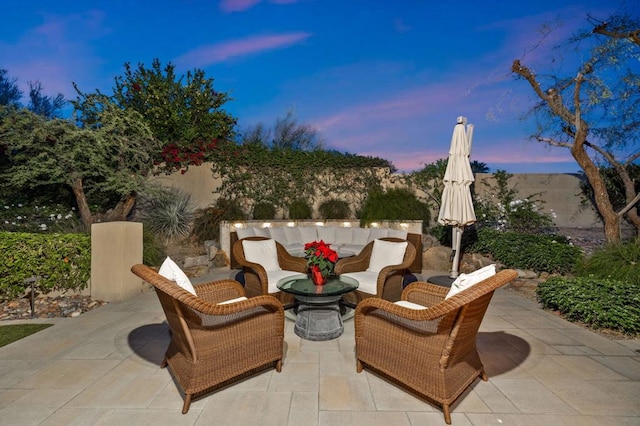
(279, 365)
(358, 366)
(483, 375)
(187, 403)
(447, 414)
(164, 362)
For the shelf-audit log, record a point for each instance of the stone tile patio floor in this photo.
(102, 368)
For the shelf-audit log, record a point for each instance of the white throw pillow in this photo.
(308, 234)
(464, 281)
(376, 233)
(245, 232)
(327, 234)
(360, 236)
(262, 252)
(386, 253)
(344, 235)
(398, 233)
(171, 271)
(279, 235)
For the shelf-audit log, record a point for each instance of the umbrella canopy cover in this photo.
(456, 208)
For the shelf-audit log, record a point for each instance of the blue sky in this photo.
(374, 77)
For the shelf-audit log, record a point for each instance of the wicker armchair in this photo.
(430, 351)
(259, 280)
(388, 282)
(213, 345)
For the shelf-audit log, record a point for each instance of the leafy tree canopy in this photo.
(184, 112)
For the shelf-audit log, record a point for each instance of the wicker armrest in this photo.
(424, 293)
(372, 303)
(352, 264)
(219, 291)
(289, 262)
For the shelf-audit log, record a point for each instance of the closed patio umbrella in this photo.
(456, 208)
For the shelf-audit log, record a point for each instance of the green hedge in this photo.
(598, 302)
(61, 261)
(541, 253)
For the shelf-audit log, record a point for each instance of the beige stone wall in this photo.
(561, 193)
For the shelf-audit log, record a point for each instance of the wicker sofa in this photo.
(347, 241)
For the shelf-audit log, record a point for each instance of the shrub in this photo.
(153, 249)
(600, 303)
(167, 212)
(394, 204)
(231, 209)
(264, 211)
(60, 261)
(299, 209)
(29, 217)
(616, 261)
(334, 209)
(548, 253)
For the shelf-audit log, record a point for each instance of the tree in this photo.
(10, 94)
(594, 111)
(287, 133)
(113, 155)
(41, 104)
(185, 112)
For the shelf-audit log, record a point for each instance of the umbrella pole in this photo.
(456, 242)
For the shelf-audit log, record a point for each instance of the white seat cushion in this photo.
(464, 281)
(237, 299)
(367, 281)
(171, 271)
(409, 305)
(262, 252)
(386, 253)
(273, 277)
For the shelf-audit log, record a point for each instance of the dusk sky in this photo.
(374, 77)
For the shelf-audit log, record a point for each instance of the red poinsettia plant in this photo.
(320, 256)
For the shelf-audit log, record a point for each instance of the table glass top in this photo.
(305, 286)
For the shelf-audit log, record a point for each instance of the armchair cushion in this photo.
(385, 253)
(262, 252)
(171, 271)
(464, 281)
(367, 281)
(410, 305)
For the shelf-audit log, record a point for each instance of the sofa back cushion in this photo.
(385, 253)
(375, 233)
(293, 234)
(344, 235)
(308, 234)
(327, 234)
(360, 236)
(279, 235)
(262, 252)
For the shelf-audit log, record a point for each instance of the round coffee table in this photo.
(318, 306)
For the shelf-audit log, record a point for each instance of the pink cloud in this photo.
(208, 55)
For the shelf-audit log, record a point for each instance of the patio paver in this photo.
(103, 368)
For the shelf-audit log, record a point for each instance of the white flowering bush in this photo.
(501, 210)
(19, 217)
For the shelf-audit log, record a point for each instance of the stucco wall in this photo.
(561, 193)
